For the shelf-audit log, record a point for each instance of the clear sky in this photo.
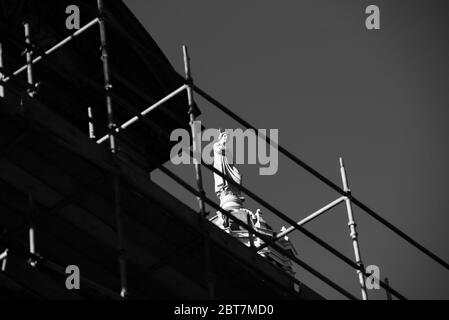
(378, 98)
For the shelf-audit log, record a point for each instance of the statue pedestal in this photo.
(262, 227)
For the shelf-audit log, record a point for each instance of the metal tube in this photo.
(28, 53)
(31, 235)
(121, 248)
(107, 77)
(2, 89)
(113, 149)
(143, 113)
(4, 254)
(195, 137)
(29, 65)
(313, 215)
(353, 233)
(32, 240)
(91, 123)
(4, 260)
(196, 146)
(305, 220)
(52, 49)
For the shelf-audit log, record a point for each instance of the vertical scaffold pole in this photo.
(113, 148)
(2, 90)
(29, 60)
(4, 260)
(198, 176)
(90, 118)
(194, 129)
(353, 232)
(31, 229)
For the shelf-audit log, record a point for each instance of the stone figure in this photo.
(231, 200)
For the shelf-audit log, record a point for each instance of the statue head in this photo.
(222, 137)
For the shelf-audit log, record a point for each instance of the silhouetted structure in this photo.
(66, 198)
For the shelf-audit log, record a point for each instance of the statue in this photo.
(229, 195)
(231, 200)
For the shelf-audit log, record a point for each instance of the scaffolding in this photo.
(190, 88)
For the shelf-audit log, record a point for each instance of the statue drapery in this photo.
(229, 195)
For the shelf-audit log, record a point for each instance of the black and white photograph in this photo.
(223, 159)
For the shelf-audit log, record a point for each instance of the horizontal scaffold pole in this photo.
(305, 220)
(51, 50)
(143, 113)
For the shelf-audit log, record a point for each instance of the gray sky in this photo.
(378, 98)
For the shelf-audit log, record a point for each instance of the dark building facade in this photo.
(56, 181)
